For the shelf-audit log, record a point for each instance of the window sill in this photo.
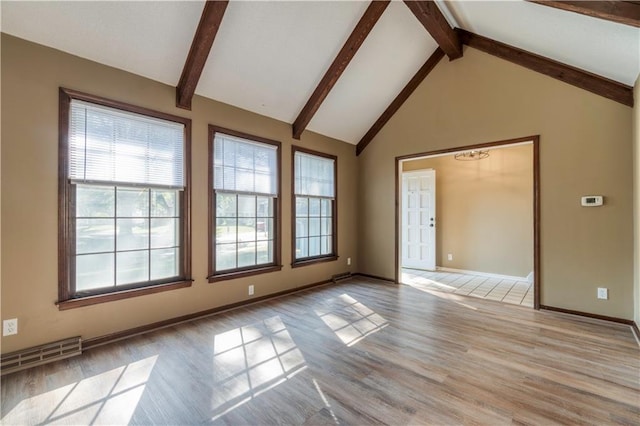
(223, 276)
(120, 295)
(313, 260)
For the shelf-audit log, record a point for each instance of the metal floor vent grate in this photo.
(342, 276)
(54, 351)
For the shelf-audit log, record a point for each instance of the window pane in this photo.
(325, 226)
(133, 267)
(246, 254)
(314, 226)
(226, 230)
(165, 232)
(165, 203)
(94, 235)
(265, 206)
(246, 165)
(246, 229)
(244, 180)
(314, 207)
(94, 271)
(302, 227)
(264, 250)
(264, 229)
(246, 206)
(302, 249)
(313, 175)
(225, 256)
(113, 145)
(314, 246)
(302, 207)
(225, 205)
(326, 208)
(326, 245)
(95, 201)
(165, 263)
(229, 178)
(133, 234)
(133, 202)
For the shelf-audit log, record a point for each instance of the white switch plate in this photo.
(251, 290)
(10, 327)
(449, 256)
(348, 261)
(603, 293)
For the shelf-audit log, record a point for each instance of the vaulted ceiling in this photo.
(334, 67)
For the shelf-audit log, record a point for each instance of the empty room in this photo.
(320, 212)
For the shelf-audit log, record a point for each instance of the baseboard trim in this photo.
(375, 277)
(125, 334)
(482, 274)
(636, 331)
(588, 315)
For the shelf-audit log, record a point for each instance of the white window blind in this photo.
(109, 145)
(241, 165)
(314, 175)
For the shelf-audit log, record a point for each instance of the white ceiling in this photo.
(269, 56)
(602, 47)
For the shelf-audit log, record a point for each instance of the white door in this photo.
(419, 219)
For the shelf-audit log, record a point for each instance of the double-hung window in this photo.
(315, 219)
(124, 198)
(245, 207)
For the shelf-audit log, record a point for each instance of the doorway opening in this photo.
(467, 220)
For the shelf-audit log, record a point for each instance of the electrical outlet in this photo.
(449, 256)
(603, 293)
(10, 327)
(251, 290)
(348, 261)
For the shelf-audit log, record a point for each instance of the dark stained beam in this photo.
(200, 47)
(585, 80)
(434, 21)
(622, 12)
(340, 63)
(400, 99)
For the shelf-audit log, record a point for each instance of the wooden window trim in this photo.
(66, 299)
(276, 265)
(296, 263)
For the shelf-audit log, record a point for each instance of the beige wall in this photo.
(636, 200)
(31, 75)
(585, 148)
(484, 211)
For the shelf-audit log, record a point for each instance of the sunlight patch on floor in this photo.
(350, 320)
(251, 360)
(107, 398)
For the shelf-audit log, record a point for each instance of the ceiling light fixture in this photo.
(471, 155)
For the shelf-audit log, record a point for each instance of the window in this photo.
(124, 197)
(314, 191)
(244, 206)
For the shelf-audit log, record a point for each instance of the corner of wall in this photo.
(636, 203)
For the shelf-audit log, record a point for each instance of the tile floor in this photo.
(507, 291)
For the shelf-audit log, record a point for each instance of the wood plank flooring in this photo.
(357, 352)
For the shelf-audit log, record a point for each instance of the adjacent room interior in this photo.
(202, 212)
(467, 222)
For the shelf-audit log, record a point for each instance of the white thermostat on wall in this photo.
(592, 200)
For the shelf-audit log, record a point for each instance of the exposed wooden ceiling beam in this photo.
(622, 12)
(200, 47)
(585, 80)
(400, 99)
(436, 24)
(340, 63)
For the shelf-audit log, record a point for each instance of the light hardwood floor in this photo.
(357, 352)
(501, 290)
